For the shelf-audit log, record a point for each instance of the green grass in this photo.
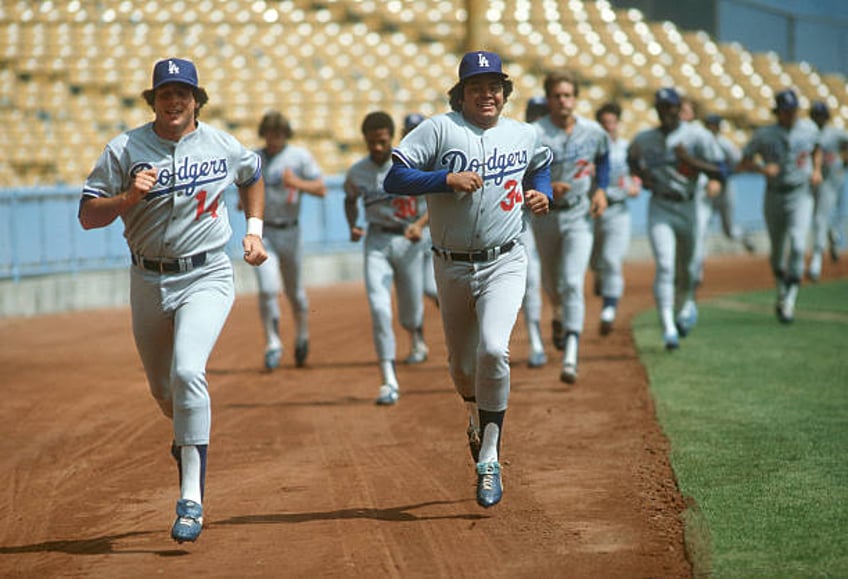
(757, 415)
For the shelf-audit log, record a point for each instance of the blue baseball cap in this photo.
(412, 120)
(174, 70)
(480, 62)
(666, 96)
(537, 106)
(819, 109)
(712, 119)
(786, 100)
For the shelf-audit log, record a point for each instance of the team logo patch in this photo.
(139, 167)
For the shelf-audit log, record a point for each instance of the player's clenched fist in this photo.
(536, 201)
(464, 182)
(142, 185)
(254, 251)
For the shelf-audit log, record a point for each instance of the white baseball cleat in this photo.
(569, 373)
(419, 354)
(388, 395)
(607, 319)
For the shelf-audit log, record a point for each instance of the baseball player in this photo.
(579, 178)
(612, 229)
(669, 159)
(537, 107)
(411, 121)
(719, 200)
(834, 146)
(478, 170)
(166, 181)
(393, 250)
(788, 154)
(289, 172)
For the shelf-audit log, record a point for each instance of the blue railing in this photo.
(40, 234)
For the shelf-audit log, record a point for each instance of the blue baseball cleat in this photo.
(272, 358)
(489, 487)
(189, 521)
(388, 395)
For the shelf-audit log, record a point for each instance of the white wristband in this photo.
(254, 226)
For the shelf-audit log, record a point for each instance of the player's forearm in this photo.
(351, 211)
(314, 187)
(403, 180)
(253, 199)
(95, 212)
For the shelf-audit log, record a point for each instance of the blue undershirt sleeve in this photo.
(602, 171)
(540, 180)
(404, 180)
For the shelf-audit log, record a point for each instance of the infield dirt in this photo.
(308, 478)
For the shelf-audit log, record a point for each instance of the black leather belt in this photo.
(475, 256)
(566, 204)
(281, 224)
(674, 197)
(393, 229)
(170, 265)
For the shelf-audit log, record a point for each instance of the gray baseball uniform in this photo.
(389, 255)
(284, 244)
(613, 228)
(564, 236)
(480, 277)
(833, 142)
(672, 217)
(788, 203)
(722, 204)
(182, 285)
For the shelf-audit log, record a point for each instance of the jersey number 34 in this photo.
(513, 195)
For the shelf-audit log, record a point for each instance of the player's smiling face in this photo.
(483, 99)
(561, 101)
(174, 105)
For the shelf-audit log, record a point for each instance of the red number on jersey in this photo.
(405, 207)
(584, 169)
(201, 206)
(513, 195)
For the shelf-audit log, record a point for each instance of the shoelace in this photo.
(488, 482)
(188, 521)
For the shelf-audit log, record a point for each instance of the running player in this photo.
(579, 177)
(834, 146)
(166, 181)
(411, 121)
(788, 154)
(289, 171)
(612, 229)
(393, 250)
(669, 159)
(478, 170)
(719, 200)
(537, 107)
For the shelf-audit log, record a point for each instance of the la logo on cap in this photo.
(482, 61)
(173, 68)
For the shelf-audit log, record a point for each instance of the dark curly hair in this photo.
(199, 93)
(608, 108)
(455, 93)
(378, 120)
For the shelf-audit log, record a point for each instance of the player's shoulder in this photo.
(362, 166)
